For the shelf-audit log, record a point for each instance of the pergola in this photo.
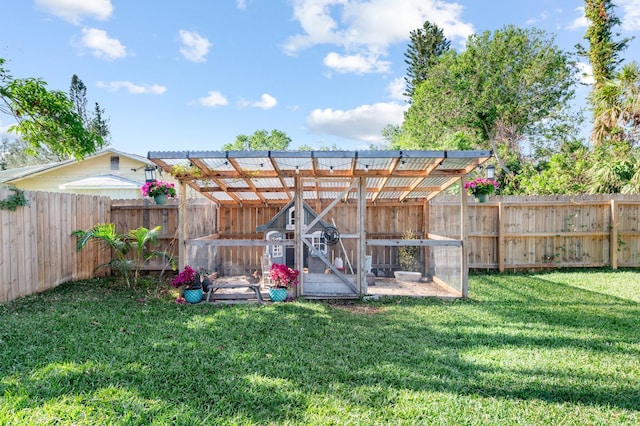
(268, 178)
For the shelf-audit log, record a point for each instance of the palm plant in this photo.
(130, 251)
(616, 107)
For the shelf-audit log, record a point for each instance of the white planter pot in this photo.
(407, 276)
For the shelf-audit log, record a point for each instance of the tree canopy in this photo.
(260, 140)
(45, 119)
(507, 89)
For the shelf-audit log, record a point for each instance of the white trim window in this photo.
(291, 219)
(275, 250)
(318, 244)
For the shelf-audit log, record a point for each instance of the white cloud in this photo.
(365, 29)
(631, 16)
(585, 72)
(266, 102)
(75, 10)
(374, 24)
(580, 22)
(101, 45)
(242, 4)
(213, 99)
(396, 89)
(194, 47)
(540, 18)
(364, 123)
(357, 64)
(134, 89)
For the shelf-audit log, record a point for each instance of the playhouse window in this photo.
(275, 250)
(318, 244)
(291, 219)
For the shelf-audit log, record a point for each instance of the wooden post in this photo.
(500, 249)
(362, 246)
(464, 231)
(613, 239)
(182, 224)
(298, 202)
(425, 234)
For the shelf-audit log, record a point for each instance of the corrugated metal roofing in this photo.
(269, 177)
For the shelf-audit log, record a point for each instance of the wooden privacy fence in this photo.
(132, 214)
(546, 232)
(37, 251)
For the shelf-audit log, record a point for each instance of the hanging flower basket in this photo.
(158, 190)
(481, 188)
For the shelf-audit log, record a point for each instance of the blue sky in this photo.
(192, 75)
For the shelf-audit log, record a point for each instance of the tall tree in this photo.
(45, 119)
(92, 121)
(78, 95)
(260, 140)
(509, 91)
(426, 45)
(615, 103)
(603, 51)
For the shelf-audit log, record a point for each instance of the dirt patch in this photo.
(360, 309)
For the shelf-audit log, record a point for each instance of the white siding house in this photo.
(109, 172)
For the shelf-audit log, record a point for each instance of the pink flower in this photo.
(284, 276)
(481, 186)
(158, 187)
(187, 277)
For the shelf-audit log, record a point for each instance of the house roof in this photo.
(269, 177)
(20, 172)
(16, 174)
(267, 226)
(105, 181)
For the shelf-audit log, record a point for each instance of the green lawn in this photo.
(554, 348)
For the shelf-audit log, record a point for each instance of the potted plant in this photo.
(190, 283)
(186, 171)
(159, 190)
(408, 258)
(481, 188)
(283, 279)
